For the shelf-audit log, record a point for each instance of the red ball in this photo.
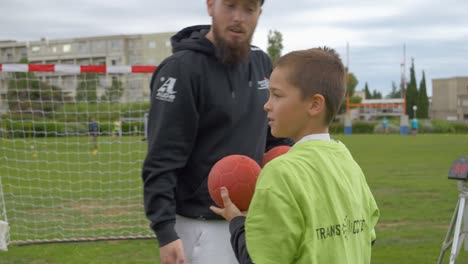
(238, 173)
(273, 153)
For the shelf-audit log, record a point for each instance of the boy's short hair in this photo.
(317, 71)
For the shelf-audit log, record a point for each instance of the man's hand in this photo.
(172, 253)
(230, 210)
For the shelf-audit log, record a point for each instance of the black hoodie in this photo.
(201, 111)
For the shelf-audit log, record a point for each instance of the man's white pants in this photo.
(205, 241)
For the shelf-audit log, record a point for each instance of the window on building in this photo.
(113, 62)
(83, 62)
(83, 47)
(9, 57)
(151, 61)
(66, 47)
(168, 43)
(24, 53)
(115, 44)
(35, 49)
(152, 44)
(54, 49)
(98, 46)
(134, 60)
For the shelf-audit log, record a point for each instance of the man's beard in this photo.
(229, 53)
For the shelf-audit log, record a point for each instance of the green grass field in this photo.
(407, 174)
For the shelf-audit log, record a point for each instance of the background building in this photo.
(450, 99)
(142, 49)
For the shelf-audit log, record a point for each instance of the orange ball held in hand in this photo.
(273, 153)
(238, 173)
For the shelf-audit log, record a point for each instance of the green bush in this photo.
(442, 126)
(357, 128)
(26, 129)
(363, 127)
(72, 120)
(128, 128)
(336, 128)
(425, 126)
(460, 128)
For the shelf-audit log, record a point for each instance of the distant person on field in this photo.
(116, 130)
(312, 204)
(385, 125)
(93, 128)
(414, 126)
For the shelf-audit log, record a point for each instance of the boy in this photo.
(312, 204)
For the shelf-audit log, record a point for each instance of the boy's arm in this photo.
(374, 215)
(236, 227)
(374, 218)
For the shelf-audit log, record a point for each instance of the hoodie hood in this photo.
(193, 38)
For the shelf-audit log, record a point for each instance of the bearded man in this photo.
(206, 103)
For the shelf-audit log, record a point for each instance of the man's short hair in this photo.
(317, 71)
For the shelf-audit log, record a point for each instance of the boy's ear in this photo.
(316, 105)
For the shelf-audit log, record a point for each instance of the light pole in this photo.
(414, 111)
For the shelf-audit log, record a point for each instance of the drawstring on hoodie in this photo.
(233, 94)
(250, 74)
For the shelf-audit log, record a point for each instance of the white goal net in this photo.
(72, 142)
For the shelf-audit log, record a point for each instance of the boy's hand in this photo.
(230, 210)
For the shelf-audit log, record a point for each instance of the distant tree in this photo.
(355, 99)
(376, 95)
(114, 92)
(87, 87)
(411, 91)
(367, 92)
(351, 83)
(395, 93)
(275, 45)
(27, 94)
(423, 101)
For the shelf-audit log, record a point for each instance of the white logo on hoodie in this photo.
(263, 84)
(166, 91)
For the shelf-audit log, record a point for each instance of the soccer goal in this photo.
(68, 170)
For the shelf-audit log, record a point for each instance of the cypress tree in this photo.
(411, 92)
(423, 101)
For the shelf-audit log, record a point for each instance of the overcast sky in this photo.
(435, 32)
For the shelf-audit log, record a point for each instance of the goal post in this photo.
(63, 177)
(4, 227)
